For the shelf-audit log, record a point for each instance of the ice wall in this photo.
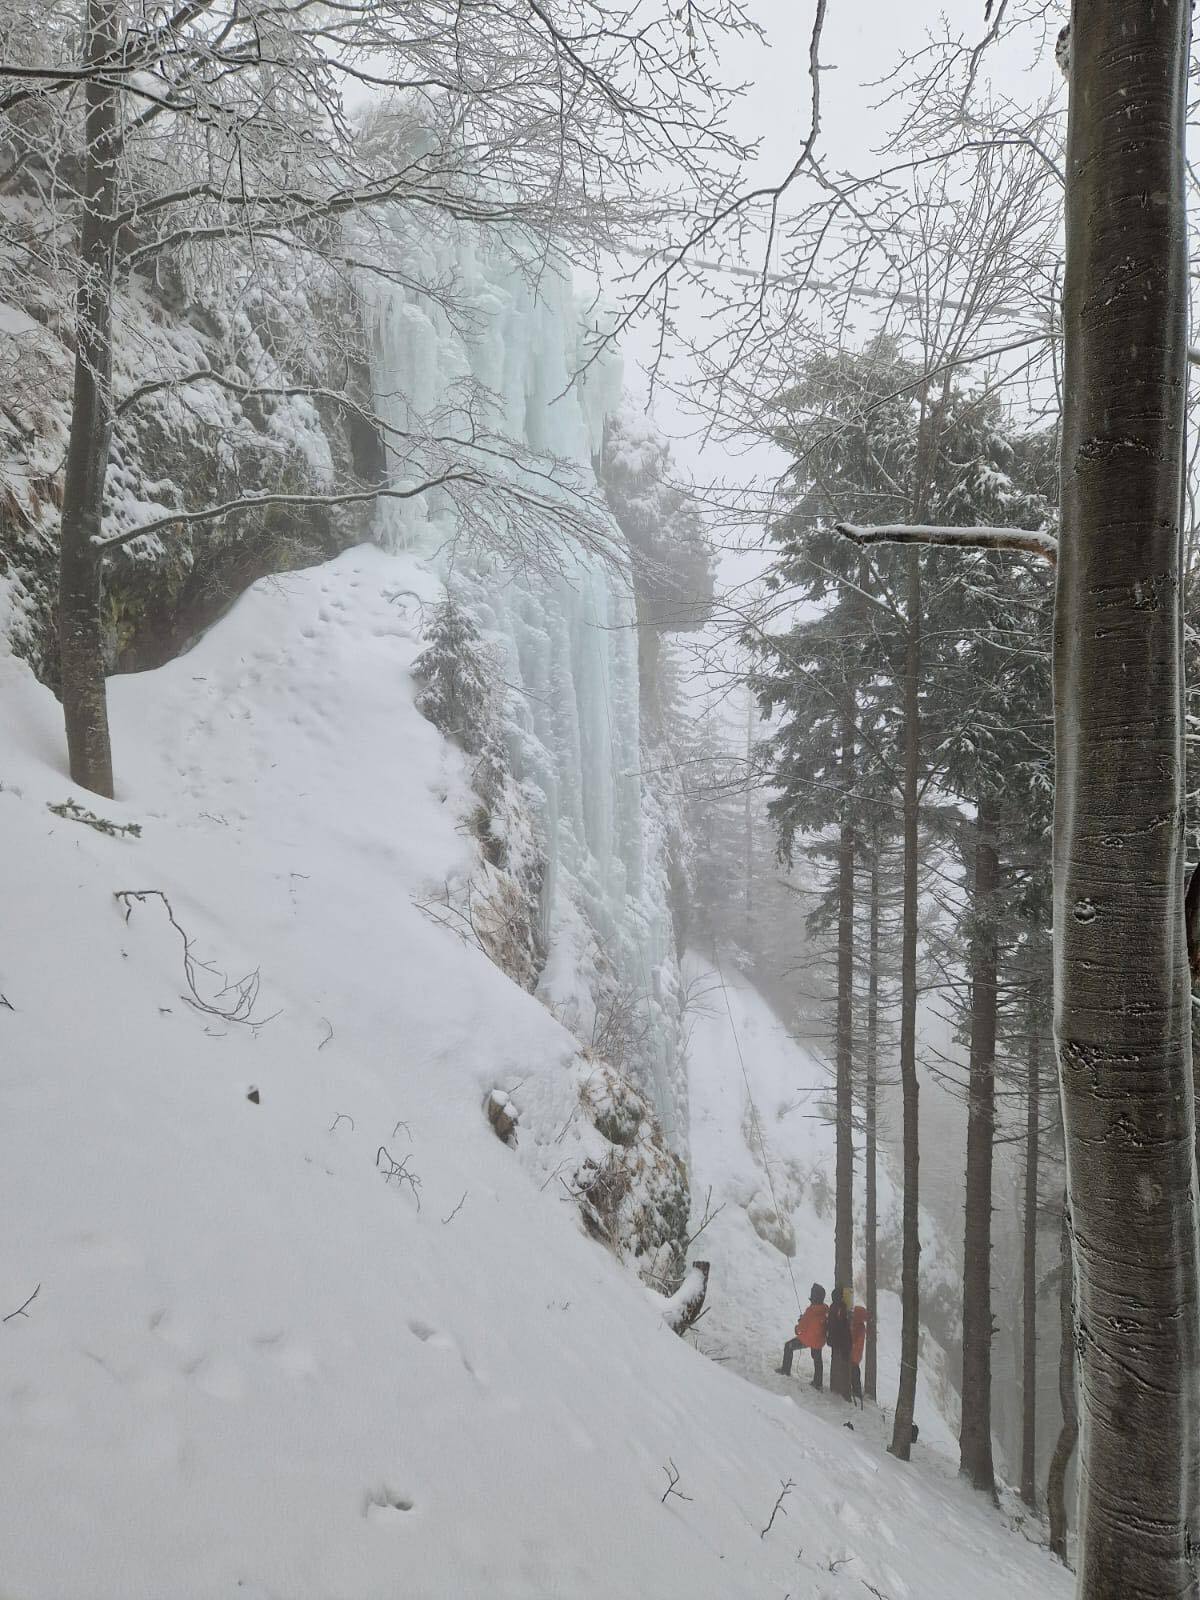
(567, 639)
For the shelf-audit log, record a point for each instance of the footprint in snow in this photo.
(296, 1360)
(428, 1334)
(386, 1504)
(218, 1377)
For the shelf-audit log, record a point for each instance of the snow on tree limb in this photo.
(1022, 539)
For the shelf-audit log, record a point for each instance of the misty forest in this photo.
(599, 800)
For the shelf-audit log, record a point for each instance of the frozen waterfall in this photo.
(567, 638)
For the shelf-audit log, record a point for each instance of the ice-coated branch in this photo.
(1044, 545)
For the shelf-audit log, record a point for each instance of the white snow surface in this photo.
(253, 1366)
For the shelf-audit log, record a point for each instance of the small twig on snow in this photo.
(836, 1563)
(399, 1171)
(785, 1489)
(21, 1309)
(328, 1036)
(74, 812)
(406, 1128)
(6, 1003)
(246, 989)
(457, 1208)
(343, 1116)
(878, 1593)
(672, 1472)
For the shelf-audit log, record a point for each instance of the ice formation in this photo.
(566, 637)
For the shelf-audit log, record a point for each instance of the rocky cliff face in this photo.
(184, 447)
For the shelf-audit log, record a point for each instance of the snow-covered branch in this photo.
(1031, 543)
(256, 502)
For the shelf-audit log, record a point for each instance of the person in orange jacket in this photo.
(810, 1335)
(859, 1322)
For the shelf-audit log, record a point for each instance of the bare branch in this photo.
(399, 1171)
(245, 989)
(255, 502)
(785, 1489)
(21, 1311)
(672, 1472)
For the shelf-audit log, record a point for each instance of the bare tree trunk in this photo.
(910, 1293)
(748, 826)
(870, 1243)
(80, 637)
(1033, 1102)
(975, 1435)
(1122, 997)
(1068, 1434)
(843, 1233)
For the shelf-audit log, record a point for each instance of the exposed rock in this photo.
(502, 1115)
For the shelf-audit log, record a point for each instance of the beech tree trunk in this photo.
(843, 1238)
(85, 709)
(748, 829)
(1033, 1112)
(1068, 1434)
(910, 1294)
(975, 1434)
(871, 1095)
(1122, 996)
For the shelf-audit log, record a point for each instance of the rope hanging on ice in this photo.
(754, 1118)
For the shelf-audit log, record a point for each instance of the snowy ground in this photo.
(254, 1367)
(759, 1103)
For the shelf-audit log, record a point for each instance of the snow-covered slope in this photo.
(254, 1366)
(763, 1160)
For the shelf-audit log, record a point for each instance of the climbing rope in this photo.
(725, 992)
(762, 1145)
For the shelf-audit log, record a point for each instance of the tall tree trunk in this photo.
(843, 1233)
(748, 828)
(871, 1220)
(85, 709)
(1122, 998)
(975, 1435)
(910, 1294)
(1033, 1113)
(1068, 1434)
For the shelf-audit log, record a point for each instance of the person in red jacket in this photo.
(810, 1335)
(859, 1323)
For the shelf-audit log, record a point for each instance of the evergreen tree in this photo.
(895, 687)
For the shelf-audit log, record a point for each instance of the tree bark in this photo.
(975, 1434)
(843, 1233)
(1122, 997)
(1068, 1434)
(748, 828)
(910, 1294)
(81, 645)
(1033, 1100)
(871, 1219)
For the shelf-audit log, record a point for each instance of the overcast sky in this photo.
(862, 42)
